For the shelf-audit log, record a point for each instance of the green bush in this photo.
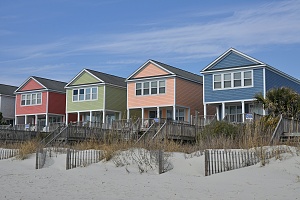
(221, 128)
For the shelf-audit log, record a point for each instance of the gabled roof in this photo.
(232, 58)
(102, 77)
(47, 84)
(7, 89)
(172, 70)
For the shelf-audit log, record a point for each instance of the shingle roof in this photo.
(7, 89)
(180, 72)
(108, 78)
(51, 84)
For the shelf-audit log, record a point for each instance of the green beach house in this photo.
(95, 97)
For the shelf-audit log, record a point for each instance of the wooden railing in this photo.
(279, 130)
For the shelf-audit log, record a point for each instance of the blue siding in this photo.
(233, 60)
(274, 80)
(211, 95)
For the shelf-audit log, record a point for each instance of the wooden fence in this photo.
(8, 153)
(41, 154)
(217, 161)
(7, 135)
(77, 158)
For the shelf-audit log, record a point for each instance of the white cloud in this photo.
(260, 25)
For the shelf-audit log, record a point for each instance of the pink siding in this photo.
(34, 109)
(189, 94)
(150, 70)
(57, 103)
(151, 100)
(31, 85)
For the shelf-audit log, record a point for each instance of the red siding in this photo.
(31, 85)
(57, 103)
(34, 109)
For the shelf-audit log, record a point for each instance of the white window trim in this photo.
(232, 80)
(84, 95)
(149, 81)
(30, 104)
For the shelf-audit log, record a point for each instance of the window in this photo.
(150, 88)
(94, 93)
(146, 88)
(248, 78)
(31, 99)
(180, 114)
(232, 80)
(237, 81)
(154, 87)
(85, 94)
(162, 87)
(217, 81)
(75, 95)
(138, 89)
(227, 80)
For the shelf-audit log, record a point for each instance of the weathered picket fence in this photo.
(41, 154)
(82, 158)
(8, 153)
(217, 161)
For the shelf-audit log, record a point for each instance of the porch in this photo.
(38, 122)
(238, 111)
(148, 114)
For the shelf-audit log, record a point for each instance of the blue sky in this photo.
(56, 39)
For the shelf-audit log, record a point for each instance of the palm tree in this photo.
(282, 100)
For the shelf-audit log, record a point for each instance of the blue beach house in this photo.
(232, 80)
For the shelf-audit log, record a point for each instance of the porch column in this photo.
(91, 114)
(143, 114)
(243, 111)
(204, 111)
(47, 119)
(67, 118)
(16, 120)
(128, 114)
(103, 116)
(158, 115)
(189, 114)
(25, 119)
(174, 112)
(120, 115)
(78, 117)
(223, 110)
(218, 113)
(36, 120)
(264, 111)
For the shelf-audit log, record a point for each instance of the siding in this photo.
(274, 80)
(233, 60)
(7, 106)
(84, 78)
(151, 100)
(233, 94)
(189, 94)
(57, 103)
(115, 98)
(85, 105)
(150, 70)
(34, 109)
(32, 85)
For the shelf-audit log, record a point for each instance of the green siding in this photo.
(84, 78)
(116, 98)
(85, 105)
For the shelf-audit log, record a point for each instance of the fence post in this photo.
(160, 162)
(67, 159)
(37, 159)
(206, 160)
